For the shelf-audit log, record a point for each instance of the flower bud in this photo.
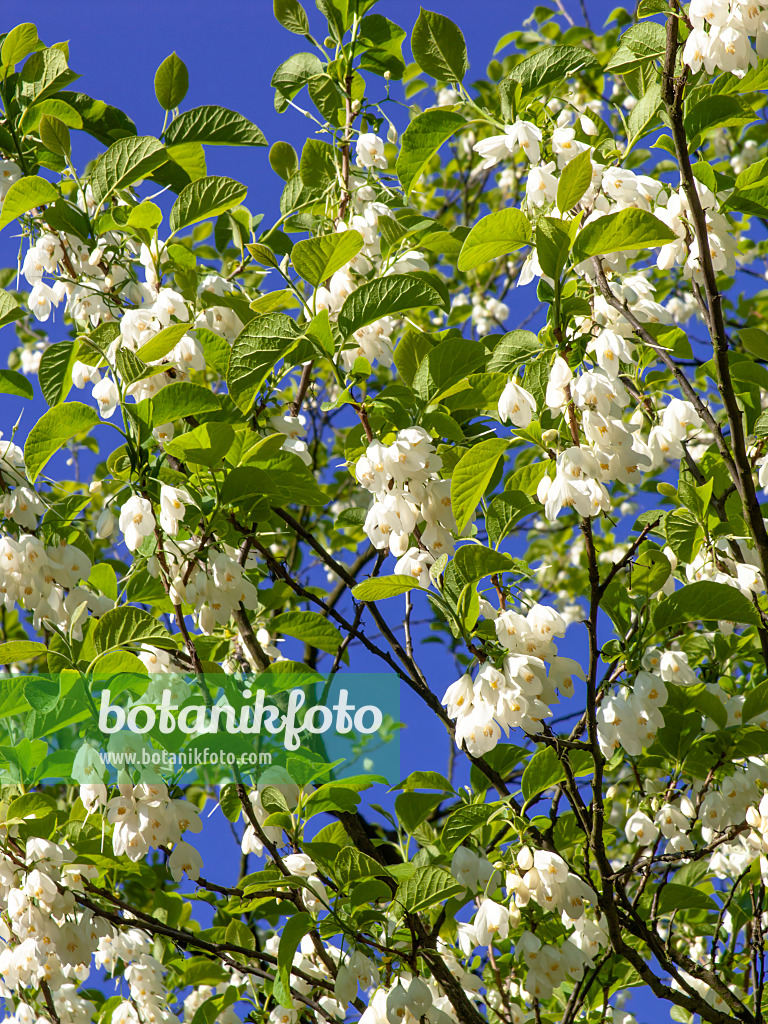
(105, 525)
(525, 858)
(550, 438)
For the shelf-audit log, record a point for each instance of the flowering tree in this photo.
(323, 430)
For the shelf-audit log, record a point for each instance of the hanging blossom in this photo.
(408, 494)
(520, 692)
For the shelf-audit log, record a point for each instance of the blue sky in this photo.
(231, 49)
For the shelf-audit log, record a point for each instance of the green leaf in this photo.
(621, 232)
(292, 16)
(124, 163)
(472, 475)
(507, 509)
(512, 350)
(647, 8)
(643, 114)
(426, 887)
(553, 243)
(53, 430)
(387, 296)
(44, 74)
(320, 334)
(255, 351)
(292, 75)
(413, 808)
(19, 43)
(43, 694)
(130, 366)
(54, 135)
(551, 64)
(421, 140)
(706, 601)
(163, 341)
(216, 126)
(411, 350)
(294, 930)
(206, 197)
(206, 445)
(104, 578)
(382, 43)
(639, 46)
(755, 703)
(55, 371)
(282, 479)
(464, 821)
(472, 562)
(445, 366)
(719, 111)
(64, 216)
(438, 47)
(676, 897)
(30, 119)
(498, 234)
(316, 259)
(317, 167)
(711, 707)
(650, 571)
(20, 650)
(171, 82)
(545, 770)
(24, 195)
(380, 587)
(177, 399)
(311, 627)
(574, 181)
(14, 383)
(126, 625)
(100, 120)
(283, 160)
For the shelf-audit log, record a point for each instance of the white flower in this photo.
(491, 922)
(9, 173)
(541, 186)
(711, 12)
(528, 137)
(41, 299)
(521, 134)
(172, 508)
(369, 151)
(517, 405)
(83, 374)
(136, 521)
(641, 829)
(697, 52)
(560, 377)
(184, 858)
(447, 97)
(106, 394)
(415, 563)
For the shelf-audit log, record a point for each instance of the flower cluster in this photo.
(631, 718)
(519, 694)
(403, 477)
(145, 816)
(374, 341)
(722, 35)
